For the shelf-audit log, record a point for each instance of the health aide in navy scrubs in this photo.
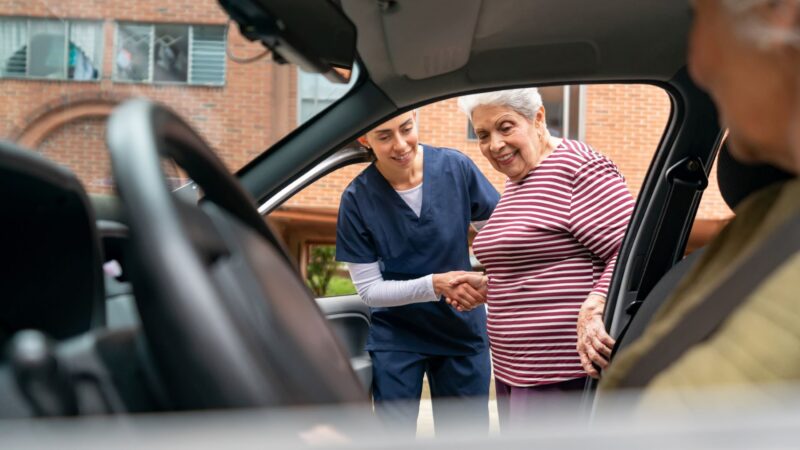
(402, 229)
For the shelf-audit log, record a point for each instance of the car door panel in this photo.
(349, 318)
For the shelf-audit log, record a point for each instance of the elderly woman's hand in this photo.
(460, 295)
(476, 281)
(594, 343)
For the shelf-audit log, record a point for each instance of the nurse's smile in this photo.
(404, 158)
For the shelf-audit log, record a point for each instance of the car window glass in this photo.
(622, 122)
(307, 224)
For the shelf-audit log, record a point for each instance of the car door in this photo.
(347, 314)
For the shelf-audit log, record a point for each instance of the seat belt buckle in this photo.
(633, 307)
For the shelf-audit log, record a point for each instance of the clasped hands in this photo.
(462, 290)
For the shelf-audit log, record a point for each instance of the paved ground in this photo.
(425, 420)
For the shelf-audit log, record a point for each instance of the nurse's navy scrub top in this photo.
(376, 224)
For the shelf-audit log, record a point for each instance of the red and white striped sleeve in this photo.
(600, 210)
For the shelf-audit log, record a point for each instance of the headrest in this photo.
(737, 180)
(51, 260)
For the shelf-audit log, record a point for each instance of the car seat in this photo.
(51, 254)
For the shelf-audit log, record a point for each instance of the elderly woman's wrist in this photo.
(594, 304)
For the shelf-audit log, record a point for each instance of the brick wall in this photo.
(258, 105)
(625, 122)
(80, 146)
(199, 12)
(235, 118)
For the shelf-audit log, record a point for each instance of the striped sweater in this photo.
(551, 241)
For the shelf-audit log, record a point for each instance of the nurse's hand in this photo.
(461, 296)
(465, 298)
(478, 281)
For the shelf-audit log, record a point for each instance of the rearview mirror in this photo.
(316, 35)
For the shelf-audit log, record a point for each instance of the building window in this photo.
(562, 106)
(471, 132)
(51, 49)
(315, 93)
(185, 54)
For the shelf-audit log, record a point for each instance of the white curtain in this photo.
(47, 49)
(13, 38)
(88, 37)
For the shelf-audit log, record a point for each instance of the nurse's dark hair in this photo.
(357, 144)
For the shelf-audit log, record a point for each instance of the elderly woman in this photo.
(736, 46)
(549, 250)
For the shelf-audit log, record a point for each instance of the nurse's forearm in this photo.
(377, 292)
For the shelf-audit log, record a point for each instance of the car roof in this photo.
(415, 51)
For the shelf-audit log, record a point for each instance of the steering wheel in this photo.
(227, 320)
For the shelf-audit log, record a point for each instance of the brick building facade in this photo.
(257, 103)
(64, 120)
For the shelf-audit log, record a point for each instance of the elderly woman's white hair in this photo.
(525, 101)
(756, 28)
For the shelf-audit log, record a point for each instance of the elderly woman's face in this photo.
(750, 85)
(512, 143)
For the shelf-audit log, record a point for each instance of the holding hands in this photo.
(462, 290)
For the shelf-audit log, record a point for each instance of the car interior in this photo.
(211, 313)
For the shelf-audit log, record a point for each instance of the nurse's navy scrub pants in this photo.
(459, 388)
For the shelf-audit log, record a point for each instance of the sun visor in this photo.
(429, 38)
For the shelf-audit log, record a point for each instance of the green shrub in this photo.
(340, 286)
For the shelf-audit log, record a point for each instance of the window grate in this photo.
(51, 49)
(184, 54)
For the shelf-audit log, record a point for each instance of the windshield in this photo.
(64, 66)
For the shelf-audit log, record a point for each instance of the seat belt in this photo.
(699, 323)
(645, 309)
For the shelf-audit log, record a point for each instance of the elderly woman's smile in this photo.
(506, 158)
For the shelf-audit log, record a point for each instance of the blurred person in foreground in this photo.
(549, 249)
(746, 55)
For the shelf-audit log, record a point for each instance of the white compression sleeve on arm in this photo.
(377, 292)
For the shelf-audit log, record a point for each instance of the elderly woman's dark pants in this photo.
(459, 390)
(520, 406)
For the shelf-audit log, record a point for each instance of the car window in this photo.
(64, 67)
(307, 224)
(621, 121)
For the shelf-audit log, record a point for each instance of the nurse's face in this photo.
(511, 142)
(394, 142)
